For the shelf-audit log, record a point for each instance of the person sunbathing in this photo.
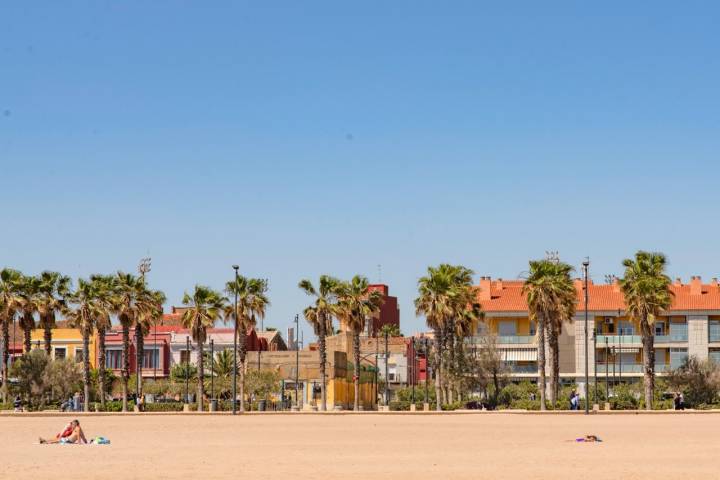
(76, 435)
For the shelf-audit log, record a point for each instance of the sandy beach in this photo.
(370, 445)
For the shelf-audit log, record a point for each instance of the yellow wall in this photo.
(523, 324)
(342, 392)
(68, 338)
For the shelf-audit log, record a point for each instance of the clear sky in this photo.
(301, 138)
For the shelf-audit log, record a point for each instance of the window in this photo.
(113, 359)
(78, 355)
(533, 329)
(184, 356)
(60, 353)
(626, 328)
(507, 328)
(659, 329)
(151, 358)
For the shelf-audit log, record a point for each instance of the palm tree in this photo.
(28, 290)
(103, 288)
(252, 303)
(551, 299)
(356, 304)
(435, 302)
(126, 304)
(10, 303)
(52, 290)
(205, 306)
(319, 315)
(647, 293)
(149, 313)
(82, 309)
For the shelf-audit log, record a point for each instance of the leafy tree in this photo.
(262, 383)
(252, 303)
(699, 380)
(62, 378)
(647, 293)
(30, 373)
(320, 315)
(491, 369)
(204, 308)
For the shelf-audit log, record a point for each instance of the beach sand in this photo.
(341, 446)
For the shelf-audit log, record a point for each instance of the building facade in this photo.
(691, 326)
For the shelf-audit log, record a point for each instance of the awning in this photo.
(519, 354)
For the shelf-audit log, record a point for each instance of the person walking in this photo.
(573, 401)
(682, 401)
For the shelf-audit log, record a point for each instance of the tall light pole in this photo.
(387, 383)
(143, 268)
(212, 370)
(297, 361)
(586, 264)
(235, 332)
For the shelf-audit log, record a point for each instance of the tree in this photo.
(204, 308)
(436, 303)
(699, 380)
(62, 378)
(492, 370)
(28, 290)
(551, 290)
(545, 290)
(148, 315)
(647, 293)
(320, 315)
(81, 311)
(51, 293)
(252, 302)
(11, 302)
(262, 383)
(103, 288)
(355, 305)
(390, 329)
(30, 373)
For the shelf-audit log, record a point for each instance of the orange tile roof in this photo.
(507, 296)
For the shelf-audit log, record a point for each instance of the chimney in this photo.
(695, 286)
(616, 285)
(578, 282)
(485, 283)
(714, 282)
(499, 284)
(678, 282)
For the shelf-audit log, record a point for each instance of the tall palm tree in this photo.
(10, 303)
(540, 289)
(646, 288)
(149, 313)
(82, 310)
(319, 315)
(127, 303)
(436, 302)
(205, 306)
(252, 303)
(355, 305)
(103, 288)
(29, 286)
(52, 290)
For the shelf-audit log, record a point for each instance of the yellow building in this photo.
(66, 343)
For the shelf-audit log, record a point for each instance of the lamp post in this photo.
(387, 383)
(607, 386)
(187, 369)
(586, 264)
(235, 332)
(620, 331)
(143, 268)
(595, 359)
(297, 362)
(212, 370)
(427, 369)
(413, 371)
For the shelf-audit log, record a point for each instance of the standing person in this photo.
(682, 401)
(573, 401)
(18, 404)
(676, 400)
(76, 402)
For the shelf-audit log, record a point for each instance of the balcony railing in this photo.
(618, 339)
(515, 368)
(629, 368)
(503, 339)
(674, 337)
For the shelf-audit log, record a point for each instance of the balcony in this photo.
(614, 340)
(525, 369)
(628, 368)
(504, 339)
(676, 337)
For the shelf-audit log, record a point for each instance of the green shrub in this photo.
(6, 406)
(453, 406)
(114, 406)
(167, 407)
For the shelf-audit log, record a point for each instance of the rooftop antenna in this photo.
(610, 279)
(552, 256)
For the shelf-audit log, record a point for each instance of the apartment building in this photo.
(691, 326)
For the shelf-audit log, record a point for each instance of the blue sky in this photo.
(301, 138)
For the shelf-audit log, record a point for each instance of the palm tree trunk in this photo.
(47, 336)
(125, 373)
(437, 366)
(541, 360)
(5, 357)
(648, 363)
(323, 359)
(551, 359)
(356, 379)
(27, 331)
(140, 345)
(86, 367)
(101, 366)
(555, 346)
(242, 353)
(201, 375)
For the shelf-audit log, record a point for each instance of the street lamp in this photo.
(585, 265)
(212, 370)
(387, 383)
(297, 361)
(143, 267)
(235, 267)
